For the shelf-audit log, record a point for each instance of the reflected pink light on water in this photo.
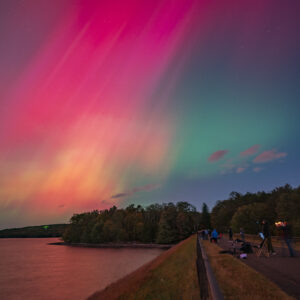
(31, 269)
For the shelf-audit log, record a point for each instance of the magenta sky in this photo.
(117, 102)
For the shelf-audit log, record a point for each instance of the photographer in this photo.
(286, 235)
(267, 237)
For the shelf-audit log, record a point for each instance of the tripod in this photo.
(263, 250)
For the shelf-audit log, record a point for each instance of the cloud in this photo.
(240, 170)
(105, 202)
(257, 169)
(231, 166)
(217, 155)
(120, 195)
(227, 167)
(145, 188)
(269, 155)
(250, 151)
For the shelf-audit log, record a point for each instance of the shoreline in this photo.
(115, 245)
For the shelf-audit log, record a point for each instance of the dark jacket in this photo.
(266, 229)
(286, 232)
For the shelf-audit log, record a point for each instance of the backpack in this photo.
(246, 248)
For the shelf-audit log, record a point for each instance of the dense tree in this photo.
(222, 214)
(166, 223)
(248, 216)
(205, 217)
(170, 223)
(247, 211)
(54, 230)
(167, 229)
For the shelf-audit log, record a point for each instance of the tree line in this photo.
(156, 223)
(170, 223)
(53, 230)
(248, 210)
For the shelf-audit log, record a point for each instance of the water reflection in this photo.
(31, 269)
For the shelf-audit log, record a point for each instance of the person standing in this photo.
(230, 233)
(214, 236)
(287, 237)
(267, 236)
(242, 234)
(206, 234)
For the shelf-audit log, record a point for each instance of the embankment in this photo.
(172, 275)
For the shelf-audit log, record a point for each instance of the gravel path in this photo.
(280, 268)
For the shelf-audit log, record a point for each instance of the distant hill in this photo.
(54, 230)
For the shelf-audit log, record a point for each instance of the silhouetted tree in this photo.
(167, 223)
(205, 217)
(282, 203)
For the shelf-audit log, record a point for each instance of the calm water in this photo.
(32, 270)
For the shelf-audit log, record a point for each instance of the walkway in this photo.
(280, 268)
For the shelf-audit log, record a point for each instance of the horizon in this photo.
(145, 206)
(137, 103)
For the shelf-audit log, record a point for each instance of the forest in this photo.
(248, 210)
(156, 223)
(170, 223)
(43, 231)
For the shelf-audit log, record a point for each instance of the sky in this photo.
(117, 102)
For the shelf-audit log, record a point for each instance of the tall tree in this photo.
(167, 229)
(205, 218)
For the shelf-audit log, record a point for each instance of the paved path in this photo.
(280, 268)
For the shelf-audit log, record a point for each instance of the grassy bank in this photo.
(238, 281)
(172, 275)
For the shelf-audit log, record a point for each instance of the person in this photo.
(242, 234)
(214, 236)
(286, 235)
(206, 234)
(230, 233)
(267, 236)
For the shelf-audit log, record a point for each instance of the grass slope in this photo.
(238, 281)
(172, 275)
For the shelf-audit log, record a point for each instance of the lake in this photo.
(31, 269)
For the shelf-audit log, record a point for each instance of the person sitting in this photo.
(214, 236)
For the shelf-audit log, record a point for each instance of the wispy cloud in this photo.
(120, 195)
(228, 167)
(232, 166)
(268, 156)
(250, 151)
(145, 188)
(240, 170)
(257, 169)
(217, 155)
